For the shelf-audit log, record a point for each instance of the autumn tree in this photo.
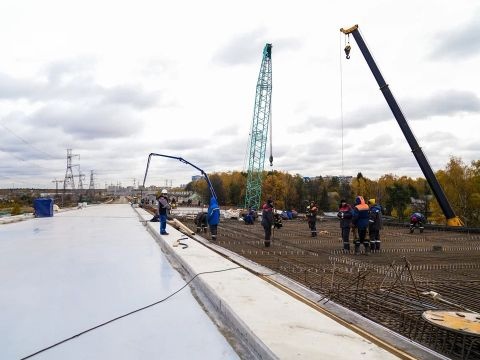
(274, 188)
(217, 184)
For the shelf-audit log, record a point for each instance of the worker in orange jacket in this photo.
(360, 220)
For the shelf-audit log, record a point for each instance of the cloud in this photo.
(62, 70)
(442, 103)
(243, 49)
(231, 130)
(12, 89)
(130, 95)
(72, 81)
(246, 48)
(458, 44)
(87, 123)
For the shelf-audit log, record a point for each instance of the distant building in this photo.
(341, 179)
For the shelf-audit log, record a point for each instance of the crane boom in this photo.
(259, 131)
(452, 219)
(210, 186)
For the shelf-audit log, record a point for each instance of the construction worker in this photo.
(267, 220)
(345, 214)
(416, 221)
(201, 221)
(277, 221)
(213, 217)
(249, 217)
(375, 224)
(360, 221)
(163, 207)
(312, 211)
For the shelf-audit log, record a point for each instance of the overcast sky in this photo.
(117, 80)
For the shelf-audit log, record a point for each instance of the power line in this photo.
(27, 142)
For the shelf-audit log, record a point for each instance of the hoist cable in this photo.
(271, 134)
(341, 94)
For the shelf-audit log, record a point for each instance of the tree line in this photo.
(398, 195)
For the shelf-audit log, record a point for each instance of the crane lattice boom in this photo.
(259, 131)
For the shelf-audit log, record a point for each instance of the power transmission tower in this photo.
(56, 185)
(81, 177)
(259, 131)
(91, 187)
(69, 179)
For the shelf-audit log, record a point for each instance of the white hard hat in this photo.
(164, 191)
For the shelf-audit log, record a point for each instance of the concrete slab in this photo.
(65, 274)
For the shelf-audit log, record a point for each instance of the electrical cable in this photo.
(127, 314)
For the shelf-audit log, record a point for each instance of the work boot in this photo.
(357, 249)
(367, 248)
(214, 237)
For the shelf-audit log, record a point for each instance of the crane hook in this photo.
(347, 50)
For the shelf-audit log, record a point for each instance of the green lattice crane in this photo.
(259, 131)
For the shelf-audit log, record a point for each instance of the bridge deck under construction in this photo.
(412, 273)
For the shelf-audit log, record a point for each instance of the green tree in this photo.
(346, 191)
(313, 189)
(398, 198)
(324, 202)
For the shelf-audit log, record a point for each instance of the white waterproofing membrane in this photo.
(65, 274)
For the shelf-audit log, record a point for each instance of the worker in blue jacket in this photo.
(345, 214)
(360, 220)
(162, 211)
(213, 217)
(375, 225)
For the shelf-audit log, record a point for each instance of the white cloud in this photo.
(116, 81)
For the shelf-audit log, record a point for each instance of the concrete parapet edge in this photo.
(222, 314)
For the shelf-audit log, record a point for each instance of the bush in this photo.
(16, 210)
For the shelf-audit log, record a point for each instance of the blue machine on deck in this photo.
(43, 207)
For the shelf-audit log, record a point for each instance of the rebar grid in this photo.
(386, 287)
